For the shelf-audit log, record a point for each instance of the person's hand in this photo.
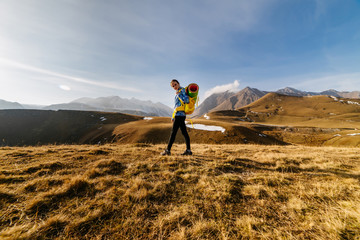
(172, 120)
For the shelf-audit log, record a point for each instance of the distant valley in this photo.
(250, 116)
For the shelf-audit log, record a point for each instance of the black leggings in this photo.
(179, 122)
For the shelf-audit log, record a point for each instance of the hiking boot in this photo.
(187, 152)
(166, 152)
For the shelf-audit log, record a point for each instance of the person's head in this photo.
(175, 84)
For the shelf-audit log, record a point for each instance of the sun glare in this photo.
(64, 87)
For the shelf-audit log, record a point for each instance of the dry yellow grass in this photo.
(222, 192)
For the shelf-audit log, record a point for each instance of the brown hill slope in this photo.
(313, 111)
(32, 127)
(157, 130)
(315, 120)
(39, 127)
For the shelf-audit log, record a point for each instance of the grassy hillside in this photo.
(273, 119)
(314, 120)
(313, 111)
(33, 127)
(222, 192)
(38, 127)
(157, 130)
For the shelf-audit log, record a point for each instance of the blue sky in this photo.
(58, 51)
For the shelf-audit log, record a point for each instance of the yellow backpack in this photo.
(192, 91)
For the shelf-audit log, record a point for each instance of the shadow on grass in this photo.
(240, 165)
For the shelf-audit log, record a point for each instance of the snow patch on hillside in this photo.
(350, 134)
(351, 102)
(342, 101)
(206, 127)
(353, 134)
(335, 98)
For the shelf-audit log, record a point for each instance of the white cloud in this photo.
(127, 41)
(21, 66)
(161, 27)
(233, 87)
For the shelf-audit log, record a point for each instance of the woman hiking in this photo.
(178, 119)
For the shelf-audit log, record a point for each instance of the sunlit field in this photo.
(221, 192)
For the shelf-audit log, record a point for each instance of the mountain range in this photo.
(331, 92)
(102, 104)
(10, 105)
(228, 100)
(216, 102)
(234, 100)
(116, 104)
